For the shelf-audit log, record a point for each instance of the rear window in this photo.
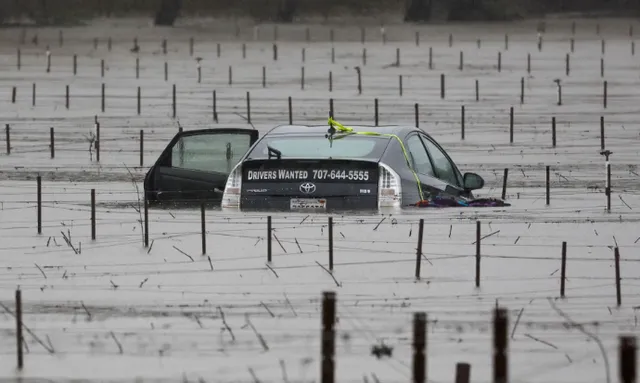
(354, 146)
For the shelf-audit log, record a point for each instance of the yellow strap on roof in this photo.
(349, 130)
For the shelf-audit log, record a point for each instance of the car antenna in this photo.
(273, 152)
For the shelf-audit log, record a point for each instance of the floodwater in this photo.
(168, 312)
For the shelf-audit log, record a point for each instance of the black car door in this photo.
(196, 163)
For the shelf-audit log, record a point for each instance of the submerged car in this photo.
(296, 167)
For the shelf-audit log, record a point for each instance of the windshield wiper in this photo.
(273, 152)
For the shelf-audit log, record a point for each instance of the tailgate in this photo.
(341, 182)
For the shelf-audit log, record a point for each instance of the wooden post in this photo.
(522, 90)
(203, 229)
(604, 94)
(608, 189)
(419, 347)
(244, 51)
(333, 55)
(19, 339)
(364, 56)
(191, 43)
(264, 76)
(477, 91)
(275, 52)
(548, 184)
(567, 64)
(499, 61)
(331, 82)
(328, 337)
(500, 322)
(7, 131)
(553, 131)
(33, 94)
(601, 132)
(601, 67)
(146, 221)
(400, 85)
(331, 114)
(269, 239)
(442, 89)
(628, 360)
(330, 226)
(375, 111)
(19, 59)
(103, 98)
(416, 113)
(97, 124)
(248, 108)
(66, 97)
(461, 61)
(215, 106)
(302, 78)
(419, 248)
(139, 96)
(75, 64)
(616, 254)
(13, 94)
(166, 71)
(141, 148)
(39, 207)
(102, 68)
(462, 120)
(52, 142)
(563, 268)
(529, 63)
(511, 125)
(93, 214)
(359, 82)
(290, 111)
(477, 254)
(463, 372)
(137, 67)
(504, 183)
(173, 94)
(430, 57)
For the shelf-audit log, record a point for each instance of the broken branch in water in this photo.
(330, 273)
(48, 348)
(43, 274)
(263, 343)
(226, 325)
(116, 340)
(191, 258)
(588, 334)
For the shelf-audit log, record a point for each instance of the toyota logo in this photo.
(307, 188)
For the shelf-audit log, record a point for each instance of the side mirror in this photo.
(472, 181)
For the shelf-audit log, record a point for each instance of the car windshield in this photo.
(351, 146)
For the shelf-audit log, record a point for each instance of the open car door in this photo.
(196, 163)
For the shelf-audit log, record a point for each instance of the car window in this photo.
(354, 146)
(445, 170)
(421, 161)
(210, 152)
